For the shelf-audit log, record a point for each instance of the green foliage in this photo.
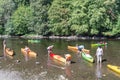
(21, 21)
(1, 30)
(40, 8)
(60, 17)
(6, 9)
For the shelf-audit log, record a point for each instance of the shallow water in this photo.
(43, 68)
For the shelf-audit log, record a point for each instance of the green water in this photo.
(41, 68)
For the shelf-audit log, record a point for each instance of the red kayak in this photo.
(57, 57)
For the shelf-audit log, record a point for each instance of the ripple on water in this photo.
(10, 75)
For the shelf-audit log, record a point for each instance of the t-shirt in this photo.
(99, 51)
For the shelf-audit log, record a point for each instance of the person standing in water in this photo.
(49, 48)
(4, 47)
(99, 54)
(27, 49)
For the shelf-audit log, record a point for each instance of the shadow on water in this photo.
(104, 60)
(73, 62)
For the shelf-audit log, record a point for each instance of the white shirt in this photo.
(99, 52)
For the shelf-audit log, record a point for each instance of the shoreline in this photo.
(58, 37)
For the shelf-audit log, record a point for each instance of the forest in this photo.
(60, 17)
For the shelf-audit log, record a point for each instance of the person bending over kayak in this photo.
(68, 58)
(99, 54)
(49, 48)
(80, 47)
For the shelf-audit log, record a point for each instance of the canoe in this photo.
(30, 54)
(99, 44)
(74, 48)
(9, 51)
(34, 41)
(87, 57)
(114, 68)
(57, 57)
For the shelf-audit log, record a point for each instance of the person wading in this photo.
(4, 47)
(99, 54)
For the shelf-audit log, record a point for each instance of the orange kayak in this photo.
(74, 48)
(57, 57)
(9, 51)
(30, 54)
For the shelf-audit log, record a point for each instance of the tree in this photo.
(58, 16)
(40, 8)
(6, 10)
(20, 21)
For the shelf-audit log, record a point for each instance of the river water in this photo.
(43, 68)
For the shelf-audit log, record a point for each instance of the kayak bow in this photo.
(114, 68)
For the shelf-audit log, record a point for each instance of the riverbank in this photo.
(57, 37)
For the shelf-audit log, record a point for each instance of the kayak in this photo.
(34, 41)
(114, 68)
(74, 48)
(30, 54)
(57, 57)
(99, 44)
(9, 51)
(87, 57)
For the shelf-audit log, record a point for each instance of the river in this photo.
(41, 68)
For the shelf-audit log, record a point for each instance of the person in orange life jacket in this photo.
(99, 54)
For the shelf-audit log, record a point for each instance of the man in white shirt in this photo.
(99, 54)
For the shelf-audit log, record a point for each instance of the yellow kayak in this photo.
(31, 53)
(9, 51)
(74, 48)
(114, 68)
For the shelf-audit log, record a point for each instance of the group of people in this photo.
(99, 52)
(4, 47)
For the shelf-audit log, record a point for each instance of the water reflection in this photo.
(54, 63)
(98, 71)
(68, 71)
(26, 57)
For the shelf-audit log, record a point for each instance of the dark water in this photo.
(41, 69)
